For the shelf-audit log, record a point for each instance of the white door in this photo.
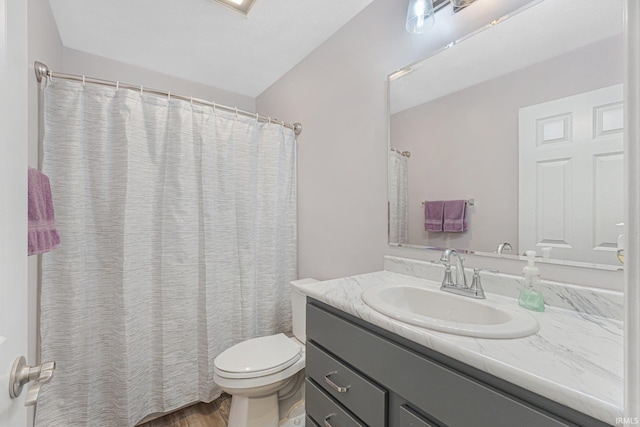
(571, 176)
(13, 202)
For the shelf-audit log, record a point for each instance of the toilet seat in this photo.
(258, 357)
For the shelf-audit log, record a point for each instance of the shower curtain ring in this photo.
(141, 90)
(83, 82)
(169, 95)
(236, 108)
(269, 120)
(117, 85)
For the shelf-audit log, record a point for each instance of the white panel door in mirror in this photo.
(608, 200)
(608, 119)
(553, 188)
(570, 175)
(554, 130)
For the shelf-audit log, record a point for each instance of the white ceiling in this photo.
(201, 40)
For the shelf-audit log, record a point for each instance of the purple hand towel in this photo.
(43, 235)
(455, 216)
(433, 214)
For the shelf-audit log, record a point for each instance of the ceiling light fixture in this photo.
(242, 6)
(420, 14)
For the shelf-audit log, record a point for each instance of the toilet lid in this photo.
(258, 357)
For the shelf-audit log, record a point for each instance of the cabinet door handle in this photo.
(334, 385)
(326, 420)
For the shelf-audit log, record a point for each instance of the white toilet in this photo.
(264, 375)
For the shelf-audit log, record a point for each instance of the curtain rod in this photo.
(402, 153)
(42, 71)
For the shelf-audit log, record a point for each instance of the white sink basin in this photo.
(444, 312)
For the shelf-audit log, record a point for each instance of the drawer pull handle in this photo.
(326, 420)
(334, 385)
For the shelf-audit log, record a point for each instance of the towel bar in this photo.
(469, 202)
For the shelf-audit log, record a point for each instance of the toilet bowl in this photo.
(261, 374)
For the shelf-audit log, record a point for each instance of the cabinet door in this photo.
(409, 418)
(309, 422)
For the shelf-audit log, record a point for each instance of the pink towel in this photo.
(433, 214)
(455, 216)
(43, 235)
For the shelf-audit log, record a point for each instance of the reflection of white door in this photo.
(13, 202)
(571, 176)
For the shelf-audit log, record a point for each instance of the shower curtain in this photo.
(398, 198)
(178, 230)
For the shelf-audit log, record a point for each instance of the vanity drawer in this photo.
(449, 396)
(324, 411)
(308, 422)
(408, 418)
(365, 399)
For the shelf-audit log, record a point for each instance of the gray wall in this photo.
(82, 63)
(338, 94)
(480, 159)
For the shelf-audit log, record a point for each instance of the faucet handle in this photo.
(476, 284)
(447, 281)
(476, 271)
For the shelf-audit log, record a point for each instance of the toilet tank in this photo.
(299, 309)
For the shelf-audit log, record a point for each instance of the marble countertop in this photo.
(575, 359)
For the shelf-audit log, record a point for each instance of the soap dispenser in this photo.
(530, 296)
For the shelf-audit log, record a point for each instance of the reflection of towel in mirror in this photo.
(455, 216)
(433, 214)
(42, 236)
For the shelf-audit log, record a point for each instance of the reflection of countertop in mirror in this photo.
(575, 359)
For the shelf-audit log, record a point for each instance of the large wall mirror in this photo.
(523, 121)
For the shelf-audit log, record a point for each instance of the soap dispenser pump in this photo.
(530, 296)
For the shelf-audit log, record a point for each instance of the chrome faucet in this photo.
(461, 279)
(459, 287)
(505, 246)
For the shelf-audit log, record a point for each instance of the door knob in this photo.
(21, 374)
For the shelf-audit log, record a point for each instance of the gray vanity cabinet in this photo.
(361, 375)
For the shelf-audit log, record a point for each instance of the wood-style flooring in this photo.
(214, 414)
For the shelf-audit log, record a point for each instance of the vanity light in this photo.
(242, 6)
(420, 16)
(420, 13)
(461, 3)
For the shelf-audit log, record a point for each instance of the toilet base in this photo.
(254, 411)
(298, 421)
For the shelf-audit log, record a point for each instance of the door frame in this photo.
(632, 214)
